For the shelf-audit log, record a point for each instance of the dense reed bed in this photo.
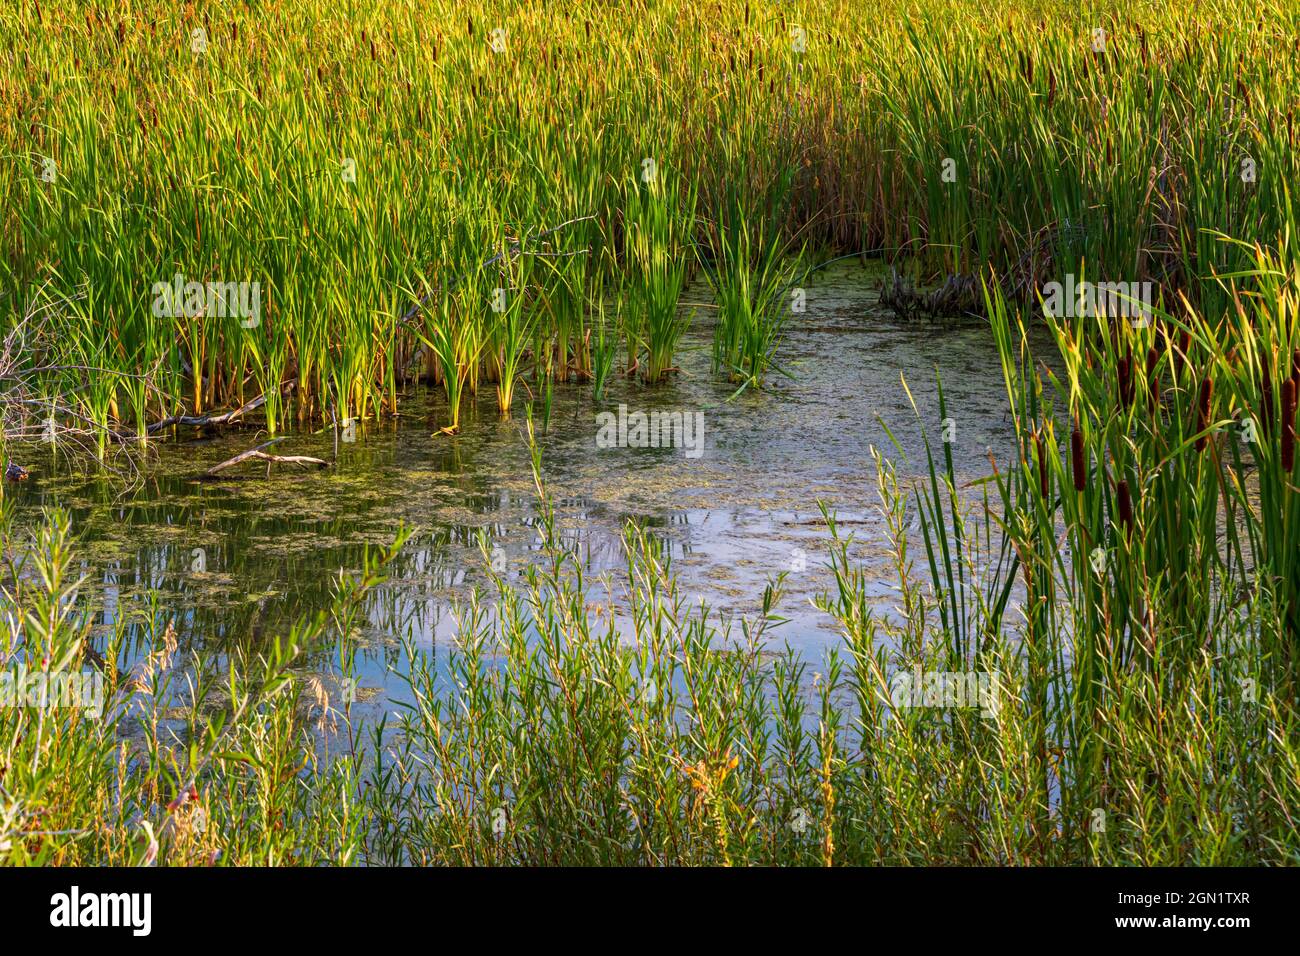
(347, 164)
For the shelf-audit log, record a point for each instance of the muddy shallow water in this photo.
(243, 557)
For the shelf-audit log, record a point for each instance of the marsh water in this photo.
(237, 560)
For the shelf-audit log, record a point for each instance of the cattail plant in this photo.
(1078, 466)
(1125, 380)
(1124, 504)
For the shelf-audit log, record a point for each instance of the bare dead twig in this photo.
(257, 454)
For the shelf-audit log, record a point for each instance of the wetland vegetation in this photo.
(963, 570)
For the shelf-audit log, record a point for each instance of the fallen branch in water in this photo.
(225, 418)
(257, 454)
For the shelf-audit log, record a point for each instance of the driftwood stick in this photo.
(224, 418)
(257, 454)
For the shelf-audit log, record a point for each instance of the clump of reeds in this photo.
(751, 266)
(657, 243)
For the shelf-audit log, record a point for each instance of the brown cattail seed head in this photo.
(1124, 503)
(1076, 458)
(1125, 370)
(1180, 356)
